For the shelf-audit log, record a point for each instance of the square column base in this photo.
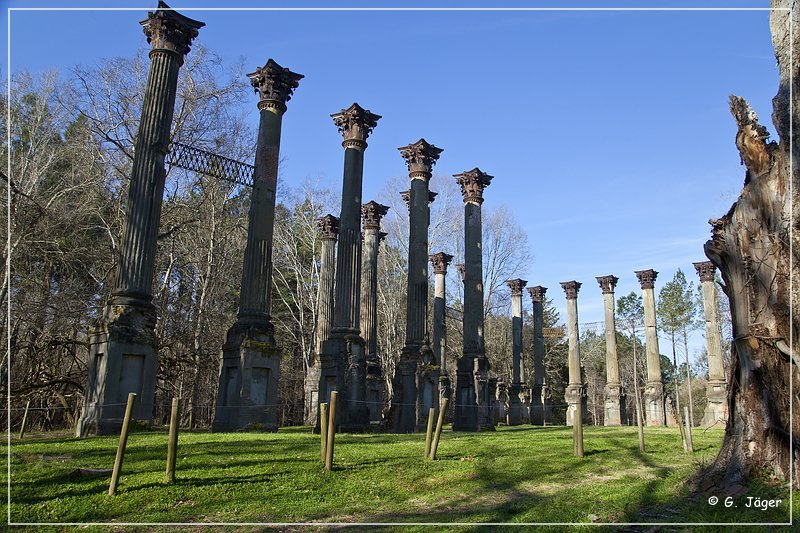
(614, 408)
(516, 407)
(716, 411)
(575, 393)
(311, 395)
(123, 358)
(465, 417)
(427, 395)
(247, 397)
(536, 407)
(376, 391)
(654, 404)
(355, 411)
(403, 412)
(446, 391)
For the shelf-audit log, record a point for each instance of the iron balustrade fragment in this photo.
(213, 165)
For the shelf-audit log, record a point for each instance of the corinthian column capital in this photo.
(274, 85)
(571, 289)
(439, 261)
(705, 270)
(607, 283)
(372, 213)
(420, 158)
(647, 278)
(472, 183)
(355, 124)
(516, 286)
(168, 30)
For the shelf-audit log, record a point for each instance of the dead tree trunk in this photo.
(755, 249)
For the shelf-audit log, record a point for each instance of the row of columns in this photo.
(123, 348)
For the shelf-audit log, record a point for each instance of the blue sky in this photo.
(608, 133)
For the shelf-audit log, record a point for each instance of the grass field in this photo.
(516, 474)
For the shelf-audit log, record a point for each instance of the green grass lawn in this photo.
(516, 474)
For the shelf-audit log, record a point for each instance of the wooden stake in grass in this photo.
(439, 424)
(172, 444)
(24, 420)
(429, 432)
(331, 432)
(577, 430)
(323, 430)
(123, 441)
(688, 428)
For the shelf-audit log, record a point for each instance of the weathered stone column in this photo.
(250, 370)
(440, 261)
(654, 392)
(329, 229)
(416, 388)
(343, 363)
(123, 351)
(576, 390)
(472, 392)
(716, 389)
(537, 407)
(615, 399)
(372, 213)
(515, 414)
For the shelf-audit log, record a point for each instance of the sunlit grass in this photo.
(516, 474)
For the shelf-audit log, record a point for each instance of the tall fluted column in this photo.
(472, 392)
(575, 390)
(440, 261)
(343, 362)
(415, 393)
(716, 389)
(654, 392)
(539, 395)
(329, 229)
(515, 414)
(123, 346)
(615, 399)
(372, 213)
(250, 371)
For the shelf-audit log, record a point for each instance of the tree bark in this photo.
(755, 252)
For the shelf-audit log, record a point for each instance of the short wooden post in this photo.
(172, 444)
(123, 441)
(323, 430)
(24, 420)
(639, 424)
(688, 428)
(429, 432)
(577, 430)
(439, 424)
(331, 432)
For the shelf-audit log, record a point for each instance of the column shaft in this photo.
(612, 363)
(716, 371)
(369, 292)
(439, 324)
(651, 336)
(417, 301)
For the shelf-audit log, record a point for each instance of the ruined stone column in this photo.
(372, 213)
(654, 393)
(329, 229)
(123, 351)
(538, 394)
(515, 414)
(343, 363)
(250, 371)
(716, 389)
(615, 399)
(576, 390)
(440, 261)
(472, 392)
(415, 388)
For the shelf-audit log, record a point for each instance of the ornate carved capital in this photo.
(329, 227)
(274, 85)
(571, 288)
(462, 270)
(372, 213)
(355, 124)
(516, 286)
(607, 283)
(472, 184)
(537, 293)
(647, 278)
(420, 158)
(169, 30)
(406, 196)
(705, 270)
(440, 261)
